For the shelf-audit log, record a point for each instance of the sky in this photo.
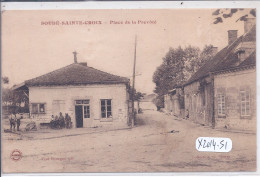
(31, 49)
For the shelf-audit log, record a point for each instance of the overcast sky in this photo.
(31, 49)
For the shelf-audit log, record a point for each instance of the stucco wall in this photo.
(168, 103)
(230, 84)
(198, 102)
(171, 104)
(116, 92)
(194, 110)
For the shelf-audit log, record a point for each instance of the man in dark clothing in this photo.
(67, 121)
(61, 121)
(12, 121)
(18, 121)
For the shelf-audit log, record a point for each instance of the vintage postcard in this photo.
(129, 90)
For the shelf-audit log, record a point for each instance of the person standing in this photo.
(12, 121)
(61, 121)
(66, 120)
(69, 122)
(18, 121)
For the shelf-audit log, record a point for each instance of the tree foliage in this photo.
(137, 95)
(177, 67)
(5, 80)
(222, 14)
(12, 100)
(170, 72)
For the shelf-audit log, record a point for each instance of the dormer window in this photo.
(241, 54)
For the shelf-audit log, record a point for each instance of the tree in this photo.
(177, 67)
(137, 95)
(5, 80)
(207, 54)
(191, 61)
(12, 99)
(6, 92)
(228, 13)
(169, 74)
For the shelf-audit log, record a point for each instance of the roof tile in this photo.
(76, 74)
(226, 58)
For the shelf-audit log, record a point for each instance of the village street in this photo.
(148, 147)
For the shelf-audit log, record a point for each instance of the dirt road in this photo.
(159, 143)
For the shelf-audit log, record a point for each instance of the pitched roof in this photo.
(226, 58)
(76, 74)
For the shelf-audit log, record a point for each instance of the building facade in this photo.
(199, 101)
(91, 97)
(174, 103)
(222, 93)
(235, 99)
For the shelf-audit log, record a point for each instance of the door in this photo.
(209, 105)
(79, 116)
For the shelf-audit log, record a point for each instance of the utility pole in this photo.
(133, 89)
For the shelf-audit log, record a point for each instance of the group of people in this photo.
(15, 121)
(61, 121)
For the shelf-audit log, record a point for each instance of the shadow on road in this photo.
(139, 121)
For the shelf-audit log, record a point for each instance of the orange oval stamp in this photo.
(16, 155)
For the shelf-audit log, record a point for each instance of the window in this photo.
(58, 106)
(106, 109)
(38, 108)
(245, 103)
(241, 54)
(41, 108)
(80, 102)
(221, 104)
(86, 111)
(34, 108)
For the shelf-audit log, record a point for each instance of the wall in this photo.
(198, 102)
(147, 105)
(230, 84)
(116, 92)
(172, 105)
(168, 103)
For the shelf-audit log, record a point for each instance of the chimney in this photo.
(84, 63)
(75, 57)
(248, 24)
(232, 36)
(214, 50)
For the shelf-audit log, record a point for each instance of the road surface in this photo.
(158, 143)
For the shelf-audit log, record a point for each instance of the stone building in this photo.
(173, 102)
(222, 93)
(90, 96)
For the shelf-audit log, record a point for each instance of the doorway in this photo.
(82, 112)
(79, 116)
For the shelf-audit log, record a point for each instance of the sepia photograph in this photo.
(129, 90)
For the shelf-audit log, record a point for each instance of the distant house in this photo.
(173, 102)
(222, 93)
(90, 96)
(146, 103)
